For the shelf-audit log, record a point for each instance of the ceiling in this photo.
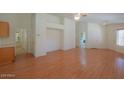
(109, 18)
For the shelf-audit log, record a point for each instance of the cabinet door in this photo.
(8, 55)
(4, 29)
(1, 56)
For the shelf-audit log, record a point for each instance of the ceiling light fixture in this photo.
(77, 16)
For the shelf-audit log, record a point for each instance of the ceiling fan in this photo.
(77, 16)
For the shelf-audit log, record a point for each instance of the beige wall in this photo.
(111, 36)
(80, 28)
(10, 41)
(100, 36)
(33, 26)
(23, 21)
(27, 22)
(96, 36)
(69, 34)
(17, 23)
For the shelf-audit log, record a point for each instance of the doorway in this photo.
(83, 40)
(54, 39)
(21, 42)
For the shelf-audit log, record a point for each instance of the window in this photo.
(120, 38)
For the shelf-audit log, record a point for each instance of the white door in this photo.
(54, 40)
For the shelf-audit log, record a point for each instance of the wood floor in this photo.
(72, 64)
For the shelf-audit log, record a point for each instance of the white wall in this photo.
(111, 35)
(69, 34)
(40, 35)
(96, 36)
(54, 35)
(77, 34)
(52, 19)
(45, 37)
(41, 39)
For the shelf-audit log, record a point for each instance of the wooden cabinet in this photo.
(4, 29)
(1, 55)
(7, 55)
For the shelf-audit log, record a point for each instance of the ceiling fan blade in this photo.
(83, 14)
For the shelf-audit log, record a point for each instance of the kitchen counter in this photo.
(7, 45)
